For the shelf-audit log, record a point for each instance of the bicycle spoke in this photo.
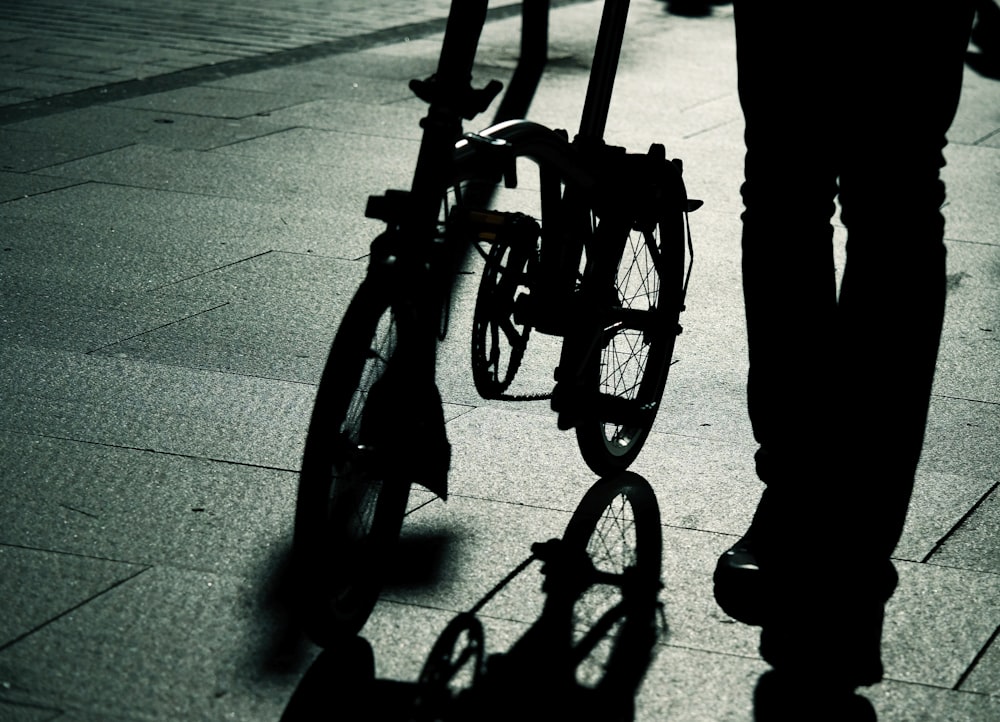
(631, 365)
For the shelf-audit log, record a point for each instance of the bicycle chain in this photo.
(524, 397)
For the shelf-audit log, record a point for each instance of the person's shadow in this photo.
(778, 698)
(692, 8)
(584, 657)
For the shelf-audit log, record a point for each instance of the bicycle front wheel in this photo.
(631, 360)
(617, 523)
(348, 516)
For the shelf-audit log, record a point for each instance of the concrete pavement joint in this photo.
(212, 270)
(72, 609)
(975, 661)
(958, 524)
(124, 447)
(157, 328)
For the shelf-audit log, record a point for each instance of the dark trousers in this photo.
(847, 101)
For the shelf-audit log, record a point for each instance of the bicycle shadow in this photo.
(586, 655)
(286, 648)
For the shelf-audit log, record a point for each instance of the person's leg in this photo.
(892, 297)
(837, 488)
(789, 279)
(828, 619)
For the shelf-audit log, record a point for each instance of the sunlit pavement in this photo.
(181, 200)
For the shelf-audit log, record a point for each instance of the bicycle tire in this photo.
(630, 365)
(617, 523)
(347, 517)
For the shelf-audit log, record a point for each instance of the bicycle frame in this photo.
(378, 425)
(447, 159)
(452, 99)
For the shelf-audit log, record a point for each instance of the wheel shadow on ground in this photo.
(585, 655)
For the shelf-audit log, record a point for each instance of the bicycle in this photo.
(587, 652)
(604, 268)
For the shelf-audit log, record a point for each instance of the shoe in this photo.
(743, 590)
(738, 584)
(783, 696)
(836, 642)
(825, 620)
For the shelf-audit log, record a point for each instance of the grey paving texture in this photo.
(182, 189)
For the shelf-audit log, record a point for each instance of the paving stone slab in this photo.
(328, 172)
(967, 362)
(116, 126)
(89, 325)
(961, 437)
(976, 543)
(162, 223)
(976, 122)
(688, 684)
(982, 680)
(704, 484)
(374, 63)
(399, 120)
(87, 503)
(26, 151)
(971, 178)
(95, 261)
(937, 622)
(939, 504)
(342, 78)
(22, 185)
(40, 586)
(12, 95)
(192, 643)
(473, 544)
(28, 712)
(218, 102)
(119, 402)
(917, 703)
(272, 316)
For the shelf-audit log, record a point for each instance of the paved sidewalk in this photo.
(58, 55)
(181, 197)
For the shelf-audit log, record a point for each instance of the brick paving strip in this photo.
(87, 41)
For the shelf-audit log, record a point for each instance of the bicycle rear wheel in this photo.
(499, 338)
(629, 367)
(348, 516)
(617, 523)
